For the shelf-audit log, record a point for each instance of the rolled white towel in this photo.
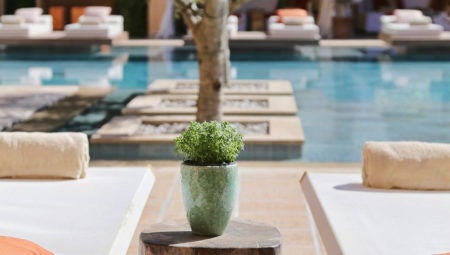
(406, 165)
(43, 155)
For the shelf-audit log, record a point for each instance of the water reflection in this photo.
(345, 97)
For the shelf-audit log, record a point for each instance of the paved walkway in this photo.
(270, 193)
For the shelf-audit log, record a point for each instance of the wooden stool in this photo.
(240, 237)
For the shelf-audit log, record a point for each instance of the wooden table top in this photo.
(240, 237)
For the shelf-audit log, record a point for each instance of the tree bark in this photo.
(213, 54)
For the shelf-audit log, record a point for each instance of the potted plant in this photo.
(209, 177)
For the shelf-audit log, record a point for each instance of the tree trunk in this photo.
(213, 53)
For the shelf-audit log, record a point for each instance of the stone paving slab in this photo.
(19, 103)
(284, 139)
(237, 87)
(155, 105)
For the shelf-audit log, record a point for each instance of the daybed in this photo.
(96, 23)
(353, 219)
(409, 24)
(59, 203)
(292, 24)
(399, 206)
(26, 22)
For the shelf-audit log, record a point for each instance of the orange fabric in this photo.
(291, 13)
(16, 246)
(75, 13)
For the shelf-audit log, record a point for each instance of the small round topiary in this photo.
(210, 143)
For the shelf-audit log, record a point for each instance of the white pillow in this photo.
(30, 15)
(407, 16)
(102, 12)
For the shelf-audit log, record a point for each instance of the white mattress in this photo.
(355, 220)
(405, 30)
(24, 30)
(308, 31)
(92, 31)
(96, 215)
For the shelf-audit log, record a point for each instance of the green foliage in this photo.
(210, 143)
(12, 5)
(135, 16)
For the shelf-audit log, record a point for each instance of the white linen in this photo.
(308, 30)
(112, 28)
(31, 15)
(24, 30)
(355, 220)
(96, 216)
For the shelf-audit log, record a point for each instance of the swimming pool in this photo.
(345, 97)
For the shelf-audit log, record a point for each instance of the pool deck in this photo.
(345, 43)
(270, 193)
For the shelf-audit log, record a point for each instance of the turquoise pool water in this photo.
(344, 97)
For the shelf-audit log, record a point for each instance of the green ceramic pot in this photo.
(209, 194)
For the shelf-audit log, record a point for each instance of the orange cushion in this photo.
(16, 246)
(291, 13)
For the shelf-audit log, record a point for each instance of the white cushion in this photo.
(89, 20)
(12, 19)
(355, 220)
(95, 215)
(407, 16)
(293, 20)
(31, 15)
(402, 29)
(98, 11)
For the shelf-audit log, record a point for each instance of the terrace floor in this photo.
(270, 193)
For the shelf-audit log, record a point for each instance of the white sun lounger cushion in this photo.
(103, 30)
(409, 30)
(12, 20)
(43, 155)
(355, 220)
(96, 215)
(43, 26)
(406, 165)
(88, 20)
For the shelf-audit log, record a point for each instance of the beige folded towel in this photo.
(406, 165)
(43, 155)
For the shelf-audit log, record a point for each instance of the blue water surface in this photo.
(345, 97)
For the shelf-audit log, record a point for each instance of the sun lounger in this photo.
(96, 23)
(410, 24)
(352, 219)
(26, 22)
(292, 24)
(95, 215)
